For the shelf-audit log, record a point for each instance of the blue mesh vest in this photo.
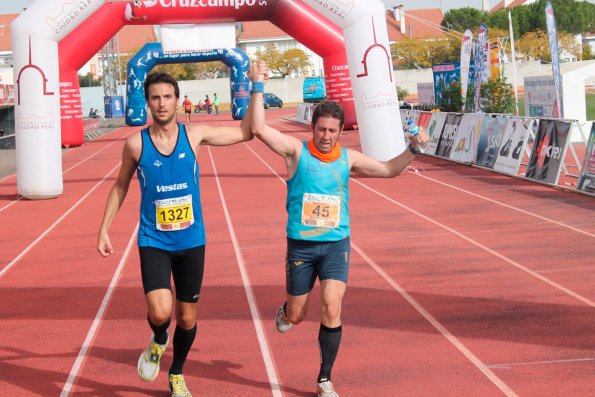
(170, 209)
(317, 199)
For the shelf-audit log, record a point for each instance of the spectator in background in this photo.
(208, 104)
(187, 107)
(216, 103)
(92, 113)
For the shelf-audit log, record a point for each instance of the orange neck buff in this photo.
(326, 157)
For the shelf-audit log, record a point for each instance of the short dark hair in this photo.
(160, 77)
(328, 109)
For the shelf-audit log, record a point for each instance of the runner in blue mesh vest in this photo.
(171, 236)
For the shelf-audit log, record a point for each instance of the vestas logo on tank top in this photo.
(171, 188)
(203, 3)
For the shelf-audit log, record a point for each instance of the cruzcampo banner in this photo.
(552, 33)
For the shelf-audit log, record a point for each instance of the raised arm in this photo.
(284, 145)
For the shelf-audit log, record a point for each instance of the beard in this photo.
(162, 121)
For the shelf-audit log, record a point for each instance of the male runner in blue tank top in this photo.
(318, 219)
(171, 236)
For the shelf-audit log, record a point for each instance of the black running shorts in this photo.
(187, 267)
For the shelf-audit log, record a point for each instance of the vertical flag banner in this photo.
(514, 80)
(465, 60)
(480, 64)
(552, 32)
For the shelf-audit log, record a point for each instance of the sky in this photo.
(16, 6)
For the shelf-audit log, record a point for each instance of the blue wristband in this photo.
(257, 86)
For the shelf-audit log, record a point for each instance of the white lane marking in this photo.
(98, 318)
(543, 362)
(53, 225)
(543, 218)
(483, 247)
(262, 341)
(74, 166)
(436, 324)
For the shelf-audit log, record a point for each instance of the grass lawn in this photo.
(590, 98)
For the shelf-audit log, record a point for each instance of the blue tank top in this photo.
(317, 199)
(170, 209)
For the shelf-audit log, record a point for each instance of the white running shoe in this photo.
(326, 389)
(283, 325)
(148, 362)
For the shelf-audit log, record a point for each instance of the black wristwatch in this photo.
(414, 149)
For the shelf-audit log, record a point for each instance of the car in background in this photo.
(314, 89)
(272, 101)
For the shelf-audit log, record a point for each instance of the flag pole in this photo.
(516, 95)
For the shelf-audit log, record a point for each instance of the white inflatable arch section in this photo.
(53, 39)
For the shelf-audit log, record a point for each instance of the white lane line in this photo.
(543, 362)
(56, 223)
(75, 165)
(543, 218)
(483, 247)
(436, 324)
(262, 341)
(98, 319)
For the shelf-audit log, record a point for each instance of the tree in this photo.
(423, 53)
(293, 60)
(587, 53)
(461, 19)
(450, 100)
(536, 45)
(497, 96)
(88, 80)
(402, 92)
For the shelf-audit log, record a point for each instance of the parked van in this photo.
(314, 89)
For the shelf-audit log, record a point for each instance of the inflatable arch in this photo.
(152, 54)
(53, 39)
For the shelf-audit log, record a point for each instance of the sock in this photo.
(329, 340)
(183, 340)
(159, 331)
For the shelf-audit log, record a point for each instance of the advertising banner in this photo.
(587, 180)
(513, 141)
(434, 130)
(448, 134)
(466, 47)
(492, 132)
(540, 96)
(444, 75)
(552, 33)
(190, 38)
(465, 142)
(425, 93)
(548, 151)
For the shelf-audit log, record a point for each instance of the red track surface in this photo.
(463, 283)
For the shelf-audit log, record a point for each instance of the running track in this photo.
(463, 282)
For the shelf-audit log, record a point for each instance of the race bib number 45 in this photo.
(321, 210)
(174, 213)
